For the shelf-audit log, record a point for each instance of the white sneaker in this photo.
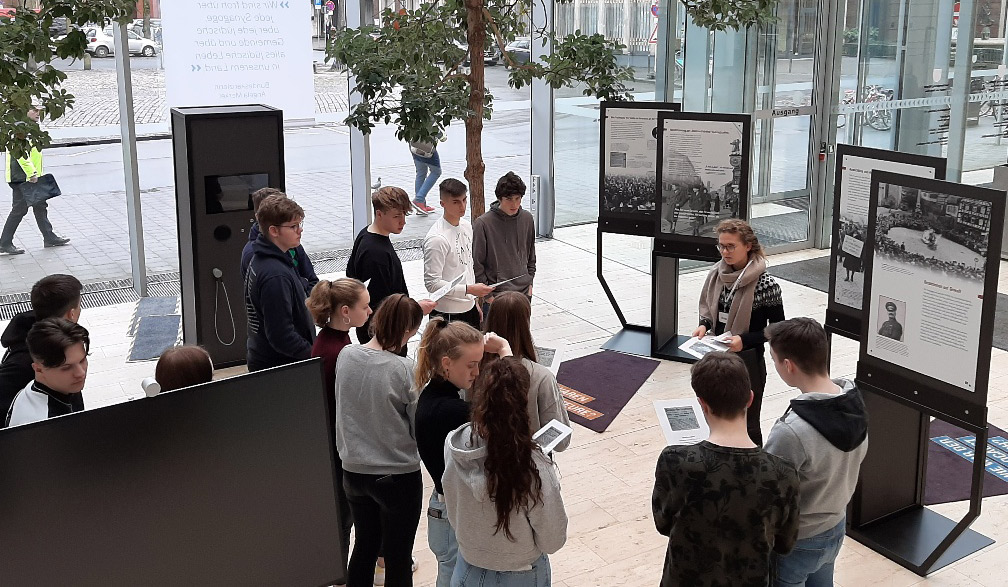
(379, 575)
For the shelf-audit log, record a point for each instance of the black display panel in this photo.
(851, 195)
(930, 293)
(232, 193)
(628, 162)
(703, 171)
(226, 483)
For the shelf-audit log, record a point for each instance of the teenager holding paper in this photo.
(448, 253)
(740, 297)
(504, 241)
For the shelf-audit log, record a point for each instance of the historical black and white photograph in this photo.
(628, 179)
(892, 316)
(702, 169)
(943, 233)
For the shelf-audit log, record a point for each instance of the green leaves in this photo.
(26, 76)
(719, 15)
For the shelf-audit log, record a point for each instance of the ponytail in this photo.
(441, 339)
(327, 297)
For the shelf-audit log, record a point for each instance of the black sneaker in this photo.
(10, 250)
(59, 241)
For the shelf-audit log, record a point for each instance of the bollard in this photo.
(87, 61)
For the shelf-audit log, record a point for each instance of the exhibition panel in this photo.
(852, 192)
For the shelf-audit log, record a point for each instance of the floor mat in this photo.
(596, 387)
(949, 474)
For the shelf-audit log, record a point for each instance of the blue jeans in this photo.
(467, 575)
(441, 539)
(428, 170)
(811, 562)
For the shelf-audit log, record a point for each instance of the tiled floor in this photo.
(607, 478)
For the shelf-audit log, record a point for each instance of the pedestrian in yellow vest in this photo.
(18, 172)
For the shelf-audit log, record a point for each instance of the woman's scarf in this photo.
(723, 276)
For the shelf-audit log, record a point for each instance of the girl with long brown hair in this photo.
(510, 317)
(448, 361)
(740, 297)
(502, 493)
(377, 444)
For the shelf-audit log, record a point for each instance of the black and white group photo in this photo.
(929, 230)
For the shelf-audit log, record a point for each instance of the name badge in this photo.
(723, 317)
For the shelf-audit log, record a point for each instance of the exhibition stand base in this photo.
(671, 351)
(632, 340)
(908, 538)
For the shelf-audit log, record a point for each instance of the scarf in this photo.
(723, 276)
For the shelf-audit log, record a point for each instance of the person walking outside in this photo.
(428, 170)
(19, 172)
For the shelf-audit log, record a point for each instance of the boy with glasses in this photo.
(304, 265)
(280, 329)
(504, 241)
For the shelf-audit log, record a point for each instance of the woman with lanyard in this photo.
(740, 297)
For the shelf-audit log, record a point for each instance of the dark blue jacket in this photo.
(280, 329)
(304, 264)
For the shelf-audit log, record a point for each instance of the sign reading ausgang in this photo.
(239, 52)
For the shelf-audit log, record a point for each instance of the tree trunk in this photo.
(475, 168)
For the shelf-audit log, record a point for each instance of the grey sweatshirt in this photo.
(540, 529)
(504, 247)
(375, 412)
(825, 437)
(544, 400)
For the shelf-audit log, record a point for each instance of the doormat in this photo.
(814, 273)
(154, 328)
(596, 387)
(950, 463)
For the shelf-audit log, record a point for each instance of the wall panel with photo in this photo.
(628, 161)
(930, 292)
(703, 168)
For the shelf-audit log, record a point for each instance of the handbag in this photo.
(41, 190)
(421, 149)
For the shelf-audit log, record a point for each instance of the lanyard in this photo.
(731, 292)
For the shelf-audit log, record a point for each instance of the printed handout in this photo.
(443, 290)
(550, 435)
(682, 421)
(698, 347)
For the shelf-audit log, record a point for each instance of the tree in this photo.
(26, 74)
(410, 70)
(719, 15)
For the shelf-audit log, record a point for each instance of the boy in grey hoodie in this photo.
(504, 241)
(824, 435)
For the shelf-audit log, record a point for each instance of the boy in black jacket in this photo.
(374, 261)
(280, 329)
(304, 265)
(53, 296)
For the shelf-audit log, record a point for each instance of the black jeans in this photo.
(386, 514)
(756, 366)
(472, 317)
(19, 208)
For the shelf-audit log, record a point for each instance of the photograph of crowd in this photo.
(945, 233)
(628, 194)
(699, 191)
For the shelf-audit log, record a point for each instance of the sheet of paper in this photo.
(550, 435)
(507, 280)
(443, 290)
(549, 358)
(698, 347)
(682, 421)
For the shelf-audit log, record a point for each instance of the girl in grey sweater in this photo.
(502, 494)
(509, 317)
(375, 437)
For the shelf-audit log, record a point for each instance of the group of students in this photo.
(737, 511)
(44, 369)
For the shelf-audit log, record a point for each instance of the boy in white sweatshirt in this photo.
(448, 253)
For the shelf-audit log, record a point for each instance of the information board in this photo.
(228, 52)
(703, 171)
(851, 195)
(628, 162)
(931, 290)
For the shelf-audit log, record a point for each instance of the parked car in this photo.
(491, 54)
(101, 44)
(520, 50)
